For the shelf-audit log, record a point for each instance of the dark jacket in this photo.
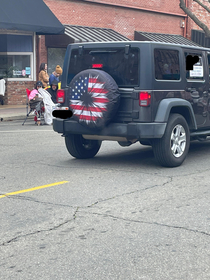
(52, 92)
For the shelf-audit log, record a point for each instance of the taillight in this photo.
(60, 96)
(144, 98)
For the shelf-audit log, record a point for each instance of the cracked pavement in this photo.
(121, 216)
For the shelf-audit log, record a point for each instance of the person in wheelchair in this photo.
(36, 102)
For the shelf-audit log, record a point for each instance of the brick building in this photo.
(200, 13)
(124, 16)
(194, 31)
(121, 16)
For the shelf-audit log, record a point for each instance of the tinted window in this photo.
(16, 43)
(167, 64)
(123, 68)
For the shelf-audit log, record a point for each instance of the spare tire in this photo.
(94, 98)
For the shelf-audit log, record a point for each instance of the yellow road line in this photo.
(33, 189)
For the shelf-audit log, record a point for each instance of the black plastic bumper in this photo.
(130, 130)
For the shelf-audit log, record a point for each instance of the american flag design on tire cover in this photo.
(90, 95)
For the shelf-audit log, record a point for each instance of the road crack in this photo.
(14, 239)
(129, 193)
(149, 223)
(27, 198)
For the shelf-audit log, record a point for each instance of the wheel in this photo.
(81, 148)
(171, 150)
(94, 98)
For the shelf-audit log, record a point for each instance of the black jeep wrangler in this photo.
(154, 93)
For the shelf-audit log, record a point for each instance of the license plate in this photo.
(60, 108)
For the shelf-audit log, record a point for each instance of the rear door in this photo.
(197, 85)
(121, 62)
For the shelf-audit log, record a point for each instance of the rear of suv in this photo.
(154, 93)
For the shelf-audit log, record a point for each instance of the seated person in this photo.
(36, 101)
(53, 90)
(33, 94)
(166, 69)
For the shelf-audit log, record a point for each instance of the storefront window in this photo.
(55, 57)
(16, 57)
(15, 66)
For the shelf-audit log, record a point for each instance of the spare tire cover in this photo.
(94, 98)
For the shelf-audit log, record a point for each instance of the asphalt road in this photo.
(116, 216)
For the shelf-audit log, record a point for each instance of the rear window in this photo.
(124, 68)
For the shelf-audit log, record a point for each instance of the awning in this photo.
(93, 34)
(164, 38)
(29, 15)
(79, 34)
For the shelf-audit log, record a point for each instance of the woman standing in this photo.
(43, 76)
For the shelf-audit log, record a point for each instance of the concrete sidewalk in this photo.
(12, 112)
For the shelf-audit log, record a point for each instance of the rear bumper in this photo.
(129, 131)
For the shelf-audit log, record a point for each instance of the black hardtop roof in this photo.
(101, 44)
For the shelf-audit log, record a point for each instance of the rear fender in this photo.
(176, 105)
